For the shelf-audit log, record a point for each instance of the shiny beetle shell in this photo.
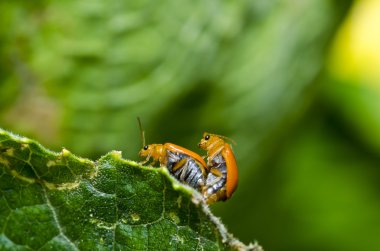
(185, 165)
(222, 178)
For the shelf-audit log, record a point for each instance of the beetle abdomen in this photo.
(189, 172)
(214, 182)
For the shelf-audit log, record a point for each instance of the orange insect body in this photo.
(182, 163)
(183, 150)
(158, 153)
(222, 179)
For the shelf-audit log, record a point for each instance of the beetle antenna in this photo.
(141, 131)
(229, 139)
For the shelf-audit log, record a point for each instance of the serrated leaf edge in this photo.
(227, 238)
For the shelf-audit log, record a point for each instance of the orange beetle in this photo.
(185, 165)
(222, 179)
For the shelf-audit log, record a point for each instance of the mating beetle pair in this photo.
(216, 180)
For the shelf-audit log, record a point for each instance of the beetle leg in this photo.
(216, 172)
(179, 164)
(212, 199)
(203, 169)
(147, 158)
(214, 182)
(213, 154)
(162, 160)
(184, 171)
(152, 163)
(145, 161)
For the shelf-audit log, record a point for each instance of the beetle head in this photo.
(209, 141)
(146, 151)
(155, 151)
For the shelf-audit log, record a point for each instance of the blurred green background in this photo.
(295, 83)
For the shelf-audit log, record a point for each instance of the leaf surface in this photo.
(57, 201)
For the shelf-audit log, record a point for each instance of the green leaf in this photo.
(57, 201)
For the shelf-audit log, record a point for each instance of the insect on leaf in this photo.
(57, 201)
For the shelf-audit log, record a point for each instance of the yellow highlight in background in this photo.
(356, 51)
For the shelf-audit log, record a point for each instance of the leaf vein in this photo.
(55, 217)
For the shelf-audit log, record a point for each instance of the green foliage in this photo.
(77, 74)
(57, 201)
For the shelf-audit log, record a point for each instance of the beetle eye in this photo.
(145, 147)
(207, 137)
